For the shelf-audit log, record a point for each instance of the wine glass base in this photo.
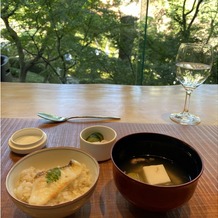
(185, 118)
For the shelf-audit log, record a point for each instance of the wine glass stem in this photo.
(187, 101)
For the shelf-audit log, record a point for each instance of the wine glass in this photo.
(193, 66)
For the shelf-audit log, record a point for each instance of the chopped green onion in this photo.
(53, 175)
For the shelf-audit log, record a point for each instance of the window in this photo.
(103, 41)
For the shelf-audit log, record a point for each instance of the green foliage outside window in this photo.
(80, 41)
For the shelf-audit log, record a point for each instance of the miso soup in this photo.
(134, 168)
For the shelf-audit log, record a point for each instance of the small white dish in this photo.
(27, 140)
(100, 150)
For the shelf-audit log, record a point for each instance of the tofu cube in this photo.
(155, 175)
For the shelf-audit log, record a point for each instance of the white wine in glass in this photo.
(193, 66)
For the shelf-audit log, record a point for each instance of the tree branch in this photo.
(195, 14)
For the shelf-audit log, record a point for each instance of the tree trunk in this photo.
(15, 37)
(127, 36)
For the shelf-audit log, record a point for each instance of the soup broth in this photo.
(134, 167)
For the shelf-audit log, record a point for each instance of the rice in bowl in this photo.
(76, 188)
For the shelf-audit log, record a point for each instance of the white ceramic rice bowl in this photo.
(49, 158)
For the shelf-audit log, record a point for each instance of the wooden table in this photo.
(139, 104)
(142, 109)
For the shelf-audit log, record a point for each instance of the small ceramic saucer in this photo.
(27, 140)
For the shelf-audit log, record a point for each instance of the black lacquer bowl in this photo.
(156, 197)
